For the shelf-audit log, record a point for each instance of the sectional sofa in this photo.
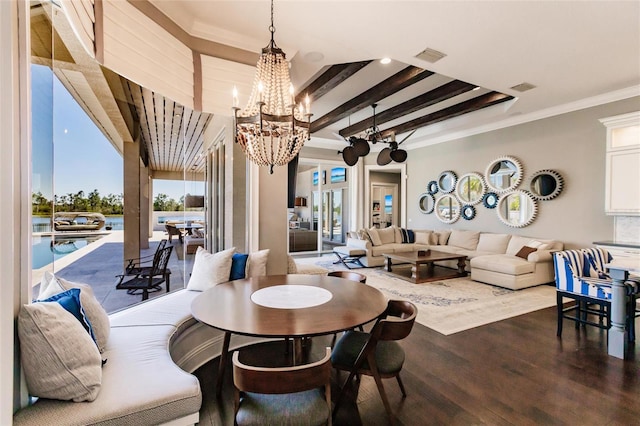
(497, 259)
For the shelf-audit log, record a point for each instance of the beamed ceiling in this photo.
(572, 54)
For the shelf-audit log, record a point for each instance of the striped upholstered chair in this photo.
(581, 276)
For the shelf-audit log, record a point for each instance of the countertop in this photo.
(618, 244)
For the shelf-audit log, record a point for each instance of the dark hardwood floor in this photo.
(513, 372)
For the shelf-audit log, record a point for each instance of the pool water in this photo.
(44, 252)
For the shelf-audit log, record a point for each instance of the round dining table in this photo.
(286, 306)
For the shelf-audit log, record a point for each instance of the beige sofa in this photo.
(491, 257)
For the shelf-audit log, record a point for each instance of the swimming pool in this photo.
(44, 251)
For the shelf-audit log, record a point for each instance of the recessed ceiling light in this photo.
(476, 88)
(385, 61)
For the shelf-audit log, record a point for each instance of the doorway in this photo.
(385, 196)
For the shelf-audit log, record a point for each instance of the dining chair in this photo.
(283, 395)
(152, 280)
(349, 275)
(376, 353)
(580, 275)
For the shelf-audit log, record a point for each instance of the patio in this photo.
(100, 262)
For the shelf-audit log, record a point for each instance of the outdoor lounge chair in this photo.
(152, 280)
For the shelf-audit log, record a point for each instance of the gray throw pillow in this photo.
(58, 356)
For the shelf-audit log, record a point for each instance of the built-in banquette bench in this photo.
(151, 351)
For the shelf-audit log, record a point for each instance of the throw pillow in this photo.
(538, 245)
(238, 266)
(525, 251)
(443, 237)
(422, 238)
(363, 234)
(96, 314)
(464, 239)
(210, 269)
(258, 263)
(591, 268)
(408, 236)
(70, 301)
(375, 237)
(434, 237)
(59, 359)
(388, 235)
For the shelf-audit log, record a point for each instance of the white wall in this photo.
(572, 144)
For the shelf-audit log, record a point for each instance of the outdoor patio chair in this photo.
(580, 275)
(376, 353)
(151, 281)
(143, 264)
(283, 395)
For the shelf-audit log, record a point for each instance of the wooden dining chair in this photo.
(376, 353)
(283, 395)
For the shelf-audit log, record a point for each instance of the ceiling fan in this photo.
(359, 147)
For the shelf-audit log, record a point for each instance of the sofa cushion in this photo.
(503, 263)
(374, 236)
(210, 269)
(388, 235)
(494, 243)
(401, 248)
(59, 358)
(379, 250)
(516, 243)
(464, 239)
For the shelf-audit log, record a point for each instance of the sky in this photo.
(82, 159)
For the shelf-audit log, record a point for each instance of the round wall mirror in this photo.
(490, 200)
(447, 208)
(517, 208)
(503, 174)
(470, 188)
(426, 203)
(546, 184)
(468, 212)
(432, 187)
(447, 181)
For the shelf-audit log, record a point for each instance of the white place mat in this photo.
(291, 296)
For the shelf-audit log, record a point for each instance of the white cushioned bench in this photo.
(152, 349)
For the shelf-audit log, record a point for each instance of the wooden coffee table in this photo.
(431, 273)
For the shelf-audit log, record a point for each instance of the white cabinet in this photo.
(622, 190)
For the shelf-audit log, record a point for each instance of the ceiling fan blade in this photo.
(384, 157)
(407, 137)
(361, 147)
(349, 156)
(399, 155)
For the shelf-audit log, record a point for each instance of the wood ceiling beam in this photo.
(391, 85)
(329, 80)
(432, 97)
(475, 104)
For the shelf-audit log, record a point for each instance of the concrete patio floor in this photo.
(99, 265)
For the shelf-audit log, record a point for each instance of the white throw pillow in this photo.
(58, 356)
(464, 239)
(388, 235)
(209, 269)
(97, 316)
(375, 237)
(258, 263)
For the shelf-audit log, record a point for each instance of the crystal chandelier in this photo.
(271, 129)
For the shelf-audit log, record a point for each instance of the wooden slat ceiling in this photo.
(173, 135)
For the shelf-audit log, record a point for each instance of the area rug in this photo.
(458, 304)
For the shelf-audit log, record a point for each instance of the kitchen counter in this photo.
(618, 244)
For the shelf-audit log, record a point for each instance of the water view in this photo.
(46, 249)
(43, 223)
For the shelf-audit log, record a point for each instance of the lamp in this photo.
(270, 129)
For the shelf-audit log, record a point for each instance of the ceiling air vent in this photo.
(523, 87)
(430, 55)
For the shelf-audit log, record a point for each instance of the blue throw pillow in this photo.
(238, 266)
(70, 301)
(408, 236)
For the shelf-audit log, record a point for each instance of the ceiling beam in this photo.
(432, 97)
(329, 79)
(391, 85)
(475, 104)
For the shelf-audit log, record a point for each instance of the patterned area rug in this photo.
(453, 305)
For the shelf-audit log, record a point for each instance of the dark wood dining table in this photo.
(286, 306)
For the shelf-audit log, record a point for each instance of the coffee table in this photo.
(427, 259)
